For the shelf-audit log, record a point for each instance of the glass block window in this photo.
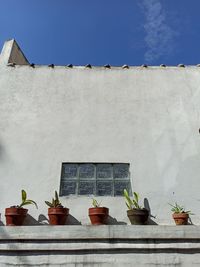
(97, 179)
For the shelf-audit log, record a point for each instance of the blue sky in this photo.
(99, 32)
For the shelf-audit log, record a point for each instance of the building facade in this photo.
(144, 120)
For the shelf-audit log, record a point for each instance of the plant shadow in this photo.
(1, 223)
(113, 221)
(2, 152)
(71, 220)
(147, 206)
(43, 220)
(29, 220)
(190, 221)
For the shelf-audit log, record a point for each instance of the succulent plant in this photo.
(95, 203)
(179, 209)
(55, 203)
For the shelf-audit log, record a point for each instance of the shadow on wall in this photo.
(29, 220)
(114, 221)
(43, 220)
(1, 223)
(147, 206)
(72, 220)
(2, 152)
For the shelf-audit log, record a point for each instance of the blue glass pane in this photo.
(86, 188)
(70, 170)
(104, 171)
(104, 188)
(68, 188)
(121, 170)
(119, 187)
(87, 171)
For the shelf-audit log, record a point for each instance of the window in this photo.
(98, 179)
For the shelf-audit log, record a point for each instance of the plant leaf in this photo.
(128, 201)
(56, 197)
(28, 202)
(32, 202)
(126, 193)
(95, 203)
(54, 202)
(136, 195)
(23, 195)
(49, 204)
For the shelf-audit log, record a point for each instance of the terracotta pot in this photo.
(138, 216)
(98, 215)
(180, 218)
(15, 216)
(57, 216)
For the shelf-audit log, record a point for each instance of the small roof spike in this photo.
(88, 66)
(144, 66)
(107, 66)
(181, 65)
(11, 64)
(125, 67)
(70, 66)
(51, 65)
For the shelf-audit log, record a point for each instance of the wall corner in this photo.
(11, 53)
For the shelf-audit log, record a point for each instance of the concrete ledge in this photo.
(99, 238)
(99, 232)
(113, 245)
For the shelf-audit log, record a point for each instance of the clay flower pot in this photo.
(98, 215)
(56, 212)
(181, 218)
(15, 216)
(138, 216)
(58, 216)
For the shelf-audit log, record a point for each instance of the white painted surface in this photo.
(148, 117)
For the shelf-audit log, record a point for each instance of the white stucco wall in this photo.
(148, 117)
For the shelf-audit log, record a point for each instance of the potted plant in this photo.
(180, 215)
(15, 215)
(135, 213)
(56, 212)
(98, 215)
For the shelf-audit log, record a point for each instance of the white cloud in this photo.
(159, 37)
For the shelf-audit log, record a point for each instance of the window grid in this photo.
(97, 184)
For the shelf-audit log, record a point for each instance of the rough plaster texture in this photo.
(100, 246)
(148, 117)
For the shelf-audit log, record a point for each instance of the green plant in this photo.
(132, 203)
(25, 201)
(55, 203)
(179, 209)
(95, 203)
